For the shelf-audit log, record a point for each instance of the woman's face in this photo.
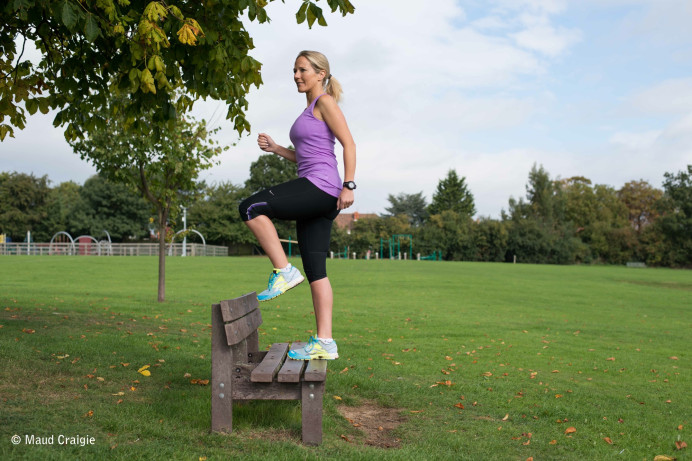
(305, 76)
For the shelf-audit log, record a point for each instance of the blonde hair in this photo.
(319, 63)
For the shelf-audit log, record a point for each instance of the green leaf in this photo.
(4, 129)
(70, 15)
(311, 15)
(43, 105)
(91, 28)
(300, 15)
(31, 106)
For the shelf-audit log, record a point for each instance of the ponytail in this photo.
(333, 88)
(319, 63)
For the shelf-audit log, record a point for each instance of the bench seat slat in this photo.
(267, 369)
(316, 370)
(232, 309)
(292, 369)
(243, 327)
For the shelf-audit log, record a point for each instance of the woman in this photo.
(313, 200)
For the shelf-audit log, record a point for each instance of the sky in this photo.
(594, 88)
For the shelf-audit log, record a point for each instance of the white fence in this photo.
(110, 249)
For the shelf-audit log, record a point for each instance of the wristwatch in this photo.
(350, 185)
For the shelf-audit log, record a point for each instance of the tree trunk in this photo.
(163, 218)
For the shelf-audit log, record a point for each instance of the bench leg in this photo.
(221, 376)
(311, 409)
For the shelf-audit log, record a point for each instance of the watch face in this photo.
(350, 185)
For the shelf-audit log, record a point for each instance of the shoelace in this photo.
(271, 279)
(311, 344)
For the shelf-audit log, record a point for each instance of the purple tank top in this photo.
(314, 144)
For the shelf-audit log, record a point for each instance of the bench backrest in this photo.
(241, 317)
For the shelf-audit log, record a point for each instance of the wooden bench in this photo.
(240, 371)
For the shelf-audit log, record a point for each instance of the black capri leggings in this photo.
(313, 210)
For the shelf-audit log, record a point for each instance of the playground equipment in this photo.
(185, 232)
(52, 249)
(394, 246)
(340, 254)
(435, 256)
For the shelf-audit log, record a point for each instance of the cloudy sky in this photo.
(594, 88)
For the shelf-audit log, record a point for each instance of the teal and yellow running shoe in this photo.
(315, 349)
(280, 281)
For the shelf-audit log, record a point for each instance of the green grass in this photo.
(528, 352)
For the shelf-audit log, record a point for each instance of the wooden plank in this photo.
(246, 390)
(265, 371)
(316, 370)
(292, 369)
(233, 309)
(311, 411)
(242, 328)
(221, 375)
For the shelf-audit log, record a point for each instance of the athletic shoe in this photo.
(280, 282)
(315, 349)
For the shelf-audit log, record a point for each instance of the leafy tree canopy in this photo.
(160, 56)
(454, 195)
(412, 205)
(269, 170)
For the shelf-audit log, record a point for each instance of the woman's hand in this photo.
(345, 199)
(266, 143)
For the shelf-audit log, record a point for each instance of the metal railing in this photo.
(110, 249)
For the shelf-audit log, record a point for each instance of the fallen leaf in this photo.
(119, 401)
(28, 331)
(679, 445)
(664, 458)
(553, 442)
(89, 414)
(607, 439)
(487, 373)
(345, 438)
(459, 405)
(336, 397)
(506, 417)
(570, 430)
(611, 359)
(187, 375)
(343, 371)
(673, 358)
(119, 393)
(60, 357)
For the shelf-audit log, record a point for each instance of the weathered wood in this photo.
(241, 372)
(236, 308)
(311, 411)
(316, 370)
(293, 369)
(246, 390)
(221, 375)
(267, 369)
(240, 329)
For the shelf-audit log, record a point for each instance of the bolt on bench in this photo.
(240, 371)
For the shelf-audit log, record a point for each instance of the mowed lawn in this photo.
(439, 360)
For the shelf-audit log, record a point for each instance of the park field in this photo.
(439, 360)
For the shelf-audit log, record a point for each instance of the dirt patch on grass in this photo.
(376, 423)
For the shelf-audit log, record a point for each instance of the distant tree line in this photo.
(559, 221)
